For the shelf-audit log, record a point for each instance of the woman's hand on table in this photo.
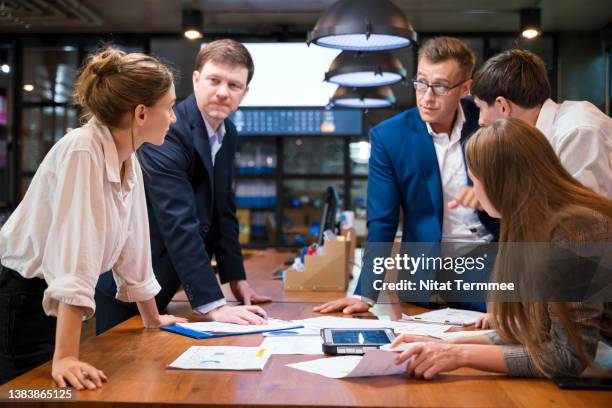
(69, 371)
(412, 338)
(426, 359)
(483, 322)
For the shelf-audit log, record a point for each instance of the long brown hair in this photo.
(527, 184)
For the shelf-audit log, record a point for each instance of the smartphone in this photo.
(586, 383)
(354, 341)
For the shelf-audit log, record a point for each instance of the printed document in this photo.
(218, 327)
(372, 363)
(222, 358)
(307, 345)
(456, 317)
(333, 322)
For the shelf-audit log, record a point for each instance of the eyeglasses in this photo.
(438, 89)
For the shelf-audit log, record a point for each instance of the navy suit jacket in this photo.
(192, 210)
(404, 173)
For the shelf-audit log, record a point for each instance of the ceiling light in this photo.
(530, 23)
(192, 24)
(357, 69)
(5, 68)
(371, 97)
(28, 87)
(363, 25)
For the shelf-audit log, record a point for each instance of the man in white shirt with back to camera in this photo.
(514, 84)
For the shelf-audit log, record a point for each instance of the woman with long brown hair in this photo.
(518, 178)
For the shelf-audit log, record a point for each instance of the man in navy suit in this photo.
(191, 204)
(417, 165)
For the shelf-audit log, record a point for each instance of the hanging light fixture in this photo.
(363, 25)
(371, 97)
(357, 69)
(192, 24)
(530, 23)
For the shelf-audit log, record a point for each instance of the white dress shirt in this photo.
(215, 139)
(460, 224)
(581, 135)
(78, 219)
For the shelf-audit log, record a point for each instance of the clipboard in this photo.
(211, 335)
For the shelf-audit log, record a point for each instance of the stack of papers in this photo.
(294, 332)
(401, 327)
(372, 363)
(218, 327)
(423, 329)
(202, 330)
(464, 333)
(456, 317)
(333, 322)
(222, 358)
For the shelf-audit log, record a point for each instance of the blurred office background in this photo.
(293, 144)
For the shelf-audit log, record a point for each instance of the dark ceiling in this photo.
(265, 16)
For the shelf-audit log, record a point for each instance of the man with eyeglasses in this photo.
(417, 165)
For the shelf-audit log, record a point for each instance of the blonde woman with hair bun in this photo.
(83, 214)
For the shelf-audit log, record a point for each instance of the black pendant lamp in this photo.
(192, 24)
(371, 97)
(530, 23)
(357, 69)
(363, 25)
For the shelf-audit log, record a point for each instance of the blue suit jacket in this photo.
(192, 211)
(404, 173)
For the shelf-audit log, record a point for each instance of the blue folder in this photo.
(210, 335)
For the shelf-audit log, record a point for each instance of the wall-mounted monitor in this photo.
(303, 121)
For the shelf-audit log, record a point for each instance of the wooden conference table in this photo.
(135, 361)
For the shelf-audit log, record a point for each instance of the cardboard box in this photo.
(327, 272)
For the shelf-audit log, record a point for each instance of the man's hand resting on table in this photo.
(244, 293)
(239, 314)
(345, 305)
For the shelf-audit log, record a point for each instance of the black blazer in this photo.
(192, 210)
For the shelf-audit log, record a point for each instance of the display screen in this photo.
(289, 74)
(360, 337)
(297, 121)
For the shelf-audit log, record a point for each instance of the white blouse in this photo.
(78, 220)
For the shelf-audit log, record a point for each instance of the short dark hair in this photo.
(517, 75)
(226, 51)
(439, 49)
